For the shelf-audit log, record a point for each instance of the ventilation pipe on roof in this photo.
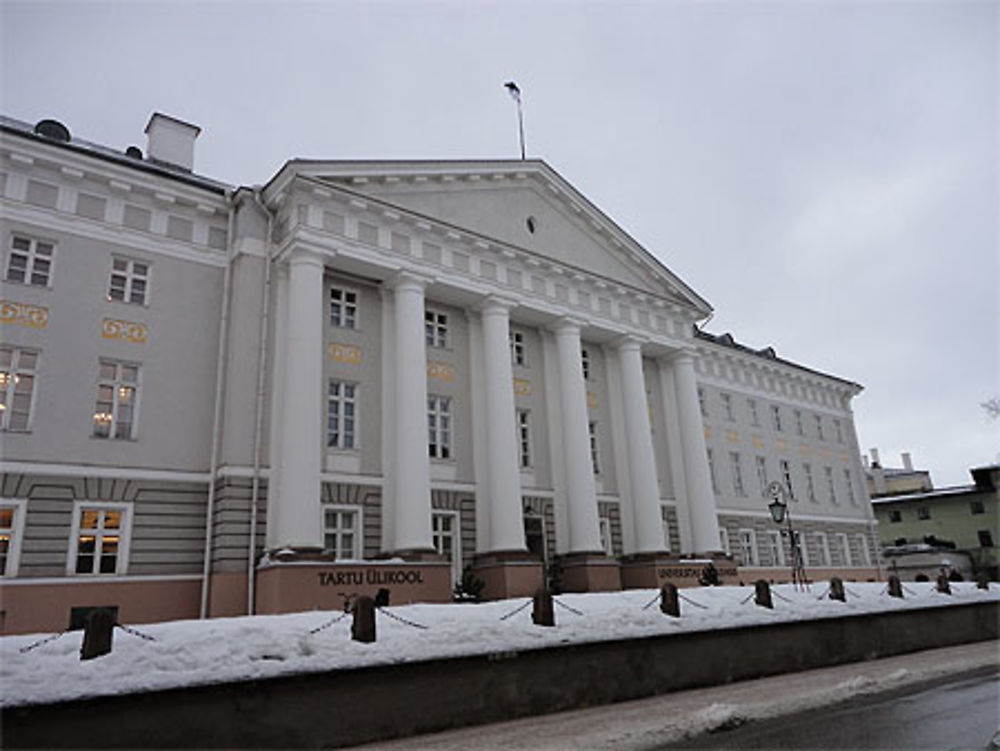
(907, 461)
(875, 459)
(171, 141)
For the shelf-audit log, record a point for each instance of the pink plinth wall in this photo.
(585, 572)
(508, 578)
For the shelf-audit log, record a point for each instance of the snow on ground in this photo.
(217, 650)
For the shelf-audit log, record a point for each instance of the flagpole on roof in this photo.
(515, 94)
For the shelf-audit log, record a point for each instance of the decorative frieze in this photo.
(345, 353)
(128, 331)
(22, 314)
(440, 370)
(522, 387)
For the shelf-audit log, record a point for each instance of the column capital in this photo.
(627, 342)
(495, 304)
(302, 256)
(685, 356)
(567, 325)
(406, 279)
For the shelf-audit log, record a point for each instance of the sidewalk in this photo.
(658, 721)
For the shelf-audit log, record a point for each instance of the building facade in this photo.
(363, 375)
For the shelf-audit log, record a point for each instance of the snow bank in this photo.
(187, 653)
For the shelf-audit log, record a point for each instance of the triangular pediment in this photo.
(522, 204)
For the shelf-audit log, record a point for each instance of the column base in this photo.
(588, 572)
(642, 570)
(508, 573)
(302, 584)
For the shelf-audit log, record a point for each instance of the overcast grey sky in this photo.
(824, 174)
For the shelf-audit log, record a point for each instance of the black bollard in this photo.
(895, 587)
(982, 580)
(382, 598)
(837, 589)
(762, 594)
(363, 626)
(942, 584)
(542, 613)
(97, 633)
(670, 601)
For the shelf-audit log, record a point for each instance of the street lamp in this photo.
(780, 513)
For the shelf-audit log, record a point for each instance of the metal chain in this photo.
(401, 619)
(692, 602)
(572, 610)
(40, 642)
(652, 602)
(132, 631)
(329, 623)
(515, 611)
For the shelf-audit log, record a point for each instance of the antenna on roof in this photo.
(515, 94)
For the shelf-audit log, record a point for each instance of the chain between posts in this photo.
(516, 610)
(40, 642)
(329, 623)
(401, 619)
(133, 632)
(570, 609)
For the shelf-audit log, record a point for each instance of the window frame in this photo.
(736, 467)
(849, 482)
(130, 277)
(799, 427)
(9, 388)
(357, 530)
(810, 486)
(830, 485)
(760, 463)
(456, 538)
(754, 416)
(776, 547)
(124, 537)
(866, 553)
(436, 328)
(438, 409)
(976, 507)
(894, 515)
(585, 363)
(823, 545)
(595, 453)
(607, 539)
(345, 306)
(724, 540)
(30, 255)
(342, 400)
(727, 406)
(776, 418)
(818, 422)
(15, 534)
(785, 468)
(711, 469)
(665, 519)
(844, 543)
(748, 536)
(116, 385)
(522, 418)
(923, 513)
(518, 351)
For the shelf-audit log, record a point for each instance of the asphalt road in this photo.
(961, 713)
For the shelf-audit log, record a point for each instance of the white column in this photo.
(701, 499)
(277, 412)
(298, 518)
(584, 528)
(504, 479)
(411, 463)
(643, 481)
(668, 397)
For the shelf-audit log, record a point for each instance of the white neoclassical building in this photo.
(374, 375)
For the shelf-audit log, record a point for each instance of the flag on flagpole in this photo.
(514, 91)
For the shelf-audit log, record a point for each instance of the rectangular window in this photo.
(11, 532)
(724, 540)
(850, 488)
(727, 405)
(343, 308)
(341, 533)
(445, 537)
(985, 538)
(30, 261)
(807, 470)
(830, 489)
(776, 417)
(762, 475)
(711, 471)
(99, 535)
(786, 477)
(923, 513)
(976, 507)
(117, 400)
(517, 348)
(341, 415)
(775, 549)
(799, 430)
(585, 363)
(737, 469)
(129, 280)
(800, 549)
(844, 547)
(594, 454)
(606, 542)
(838, 430)
(895, 516)
(866, 556)
(524, 438)
(754, 417)
(748, 547)
(436, 328)
(666, 529)
(819, 426)
(823, 546)
(17, 387)
(439, 427)
(701, 402)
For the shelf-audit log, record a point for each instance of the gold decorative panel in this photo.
(805, 449)
(782, 444)
(22, 314)
(733, 436)
(708, 432)
(344, 353)
(127, 331)
(758, 442)
(440, 370)
(522, 387)
(591, 400)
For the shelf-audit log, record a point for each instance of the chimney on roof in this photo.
(907, 461)
(171, 141)
(875, 461)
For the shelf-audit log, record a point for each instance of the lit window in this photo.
(439, 427)
(727, 405)
(117, 400)
(100, 534)
(524, 438)
(30, 261)
(737, 469)
(340, 533)
(17, 386)
(748, 548)
(830, 489)
(129, 280)
(585, 362)
(11, 532)
(341, 415)
(592, 428)
(517, 348)
(762, 475)
(819, 426)
(776, 417)
(343, 308)
(754, 418)
(807, 470)
(436, 328)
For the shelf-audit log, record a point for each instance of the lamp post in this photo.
(779, 512)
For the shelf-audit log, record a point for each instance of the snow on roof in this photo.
(927, 494)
